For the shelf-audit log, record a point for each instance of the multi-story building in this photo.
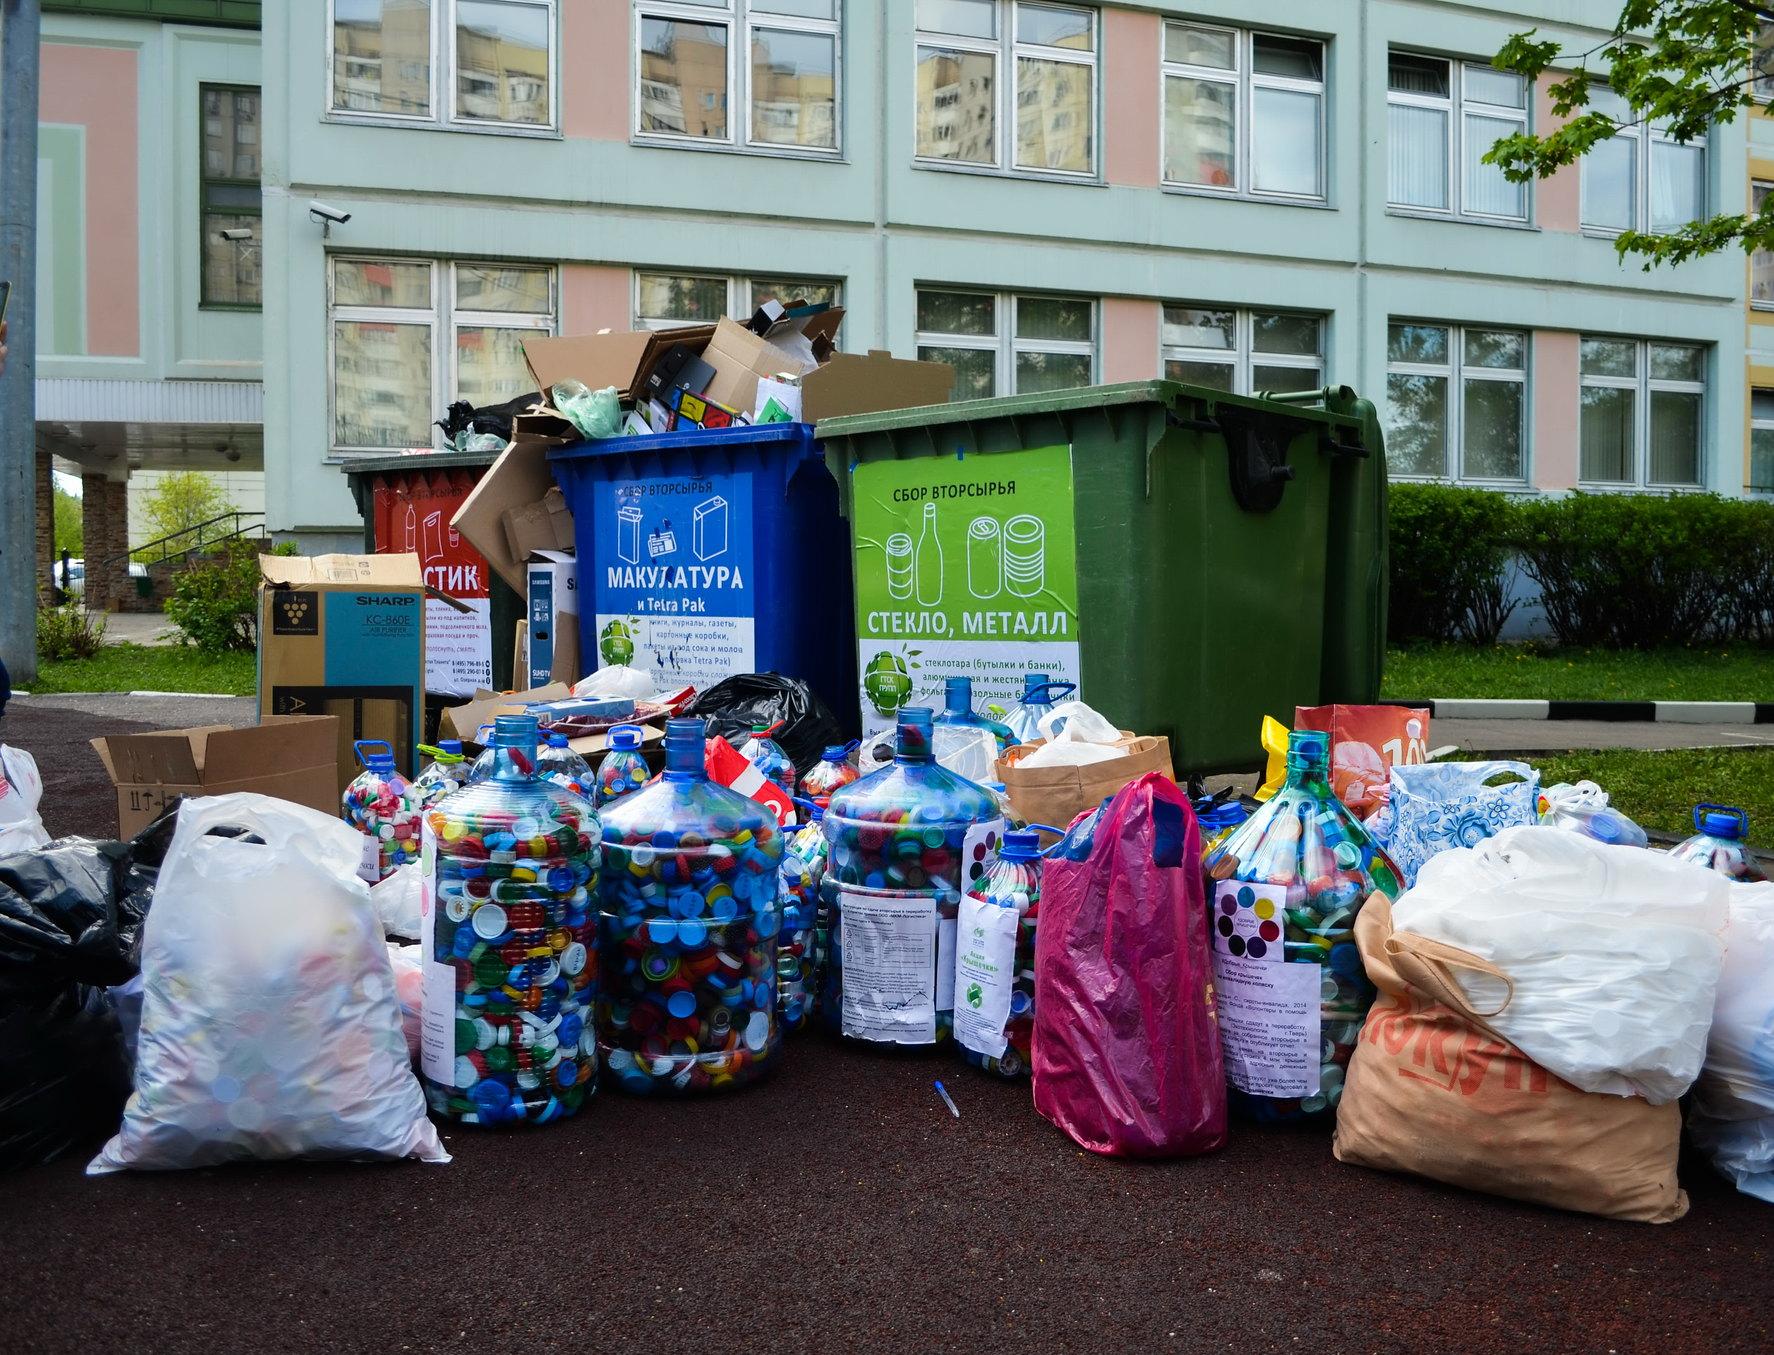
(149, 257)
(1249, 194)
(1758, 463)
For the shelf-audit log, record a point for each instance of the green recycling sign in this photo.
(964, 567)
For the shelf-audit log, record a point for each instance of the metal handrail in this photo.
(238, 529)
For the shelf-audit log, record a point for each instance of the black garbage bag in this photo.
(732, 706)
(462, 416)
(70, 923)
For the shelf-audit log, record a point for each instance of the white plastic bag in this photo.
(21, 791)
(616, 680)
(396, 901)
(1613, 953)
(1583, 808)
(269, 1025)
(1075, 722)
(966, 750)
(409, 991)
(1063, 753)
(1733, 1109)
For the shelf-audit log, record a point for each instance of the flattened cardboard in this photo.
(739, 358)
(291, 757)
(621, 359)
(519, 478)
(463, 722)
(849, 383)
(311, 571)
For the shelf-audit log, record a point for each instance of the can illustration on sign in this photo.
(964, 568)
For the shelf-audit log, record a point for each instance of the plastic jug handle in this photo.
(1741, 818)
(1050, 692)
(372, 745)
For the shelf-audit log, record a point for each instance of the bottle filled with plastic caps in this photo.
(1039, 694)
(560, 764)
(958, 710)
(1284, 890)
(1721, 843)
(797, 953)
(510, 940)
(690, 921)
(764, 753)
(482, 766)
(384, 806)
(832, 772)
(624, 767)
(903, 844)
(445, 774)
(995, 960)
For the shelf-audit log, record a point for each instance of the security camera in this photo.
(238, 234)
(321, 212)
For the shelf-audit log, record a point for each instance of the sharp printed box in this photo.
(553, 638)
(344, 635)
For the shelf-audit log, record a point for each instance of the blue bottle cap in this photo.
(1020, 847)
(1721, 821)
(835, 752)
(450, 745)
(375, 754)
(625, 737)
(1033, 682)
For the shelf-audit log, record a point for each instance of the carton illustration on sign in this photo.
(628, 534)
(711, 528)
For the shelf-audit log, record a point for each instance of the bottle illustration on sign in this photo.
(628, 534)
(410, 536)
(433, 538)
(1006, 557)
(899, 566)
(927, 561)
(662, 540)
(710, 538)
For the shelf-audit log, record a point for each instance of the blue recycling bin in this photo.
(710, 552)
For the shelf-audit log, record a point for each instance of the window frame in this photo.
(1758, 189)
(1245, 80)
(1458, 109)
(1645, 138)
(1758, 425)
(738, 285)
(1243, 357)
(1644, 385)
(1457, 373)
(444, 318)
(736, 15)
(1004, 49)
(1003, 342)
(205, 179)
(441, 112)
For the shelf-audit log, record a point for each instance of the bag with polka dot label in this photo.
(270, 1026)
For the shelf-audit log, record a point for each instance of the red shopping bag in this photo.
(1126, 1054)
(1367, 742)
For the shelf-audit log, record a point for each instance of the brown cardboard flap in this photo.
(311, 571)
(739, 358)
(852, 384)
(279, 743)
(518, 479)
(464, 720)
(166, 757)
(621, 358)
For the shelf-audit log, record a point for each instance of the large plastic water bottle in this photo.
(1720, 843)
(995, 964)
(904, 843)
(560, 764)
(958, 710)
(624, 768)
(1038, 697)
(445, 774)
(797, 952)
(1285, 888)
(690, 923)
(767, 755)
(384, 806)
(831, 773)
(510, 942)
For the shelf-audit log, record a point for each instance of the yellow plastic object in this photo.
(1275, 745)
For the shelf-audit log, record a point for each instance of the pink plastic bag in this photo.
(1126, 1052)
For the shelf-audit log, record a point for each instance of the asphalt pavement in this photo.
(835, 1206)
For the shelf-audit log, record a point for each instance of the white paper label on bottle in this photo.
(979, 848)
(945, 964)
(985, 975)
(369, 861)
(889, 947)
(437, 1009)
(1269, 1009)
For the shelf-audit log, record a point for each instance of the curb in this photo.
(1622, 712)
(201, 696)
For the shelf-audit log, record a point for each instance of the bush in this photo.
(68, 632)
(215, 604)
(1452, 572)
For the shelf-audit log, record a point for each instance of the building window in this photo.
(1761, 261)
(1039, 118)
(463, 63)
(232, 252)
(762, 74)
(1763, 88)
(1243, 351)
(1004, 344)
(662, 300)
(1243, 112)
(1643, 413)
(1761, 442)
(411, 335)
(1441, 118)
(1640, 178)
(1456, 402)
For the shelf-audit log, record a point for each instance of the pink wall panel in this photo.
(595, 69)
(1560, 203)
(594, 297)
(1555, 409)
(96, 88)
(1131, 112)
(1130, 338)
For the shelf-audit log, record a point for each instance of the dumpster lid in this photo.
(690, 439)
(401, 463)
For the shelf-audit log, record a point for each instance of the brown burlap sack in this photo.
(1433, 1090)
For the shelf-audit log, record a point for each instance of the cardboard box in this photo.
(849, 383)
(740, 358)
(553, 618)
(293, 757)
(517, 480)
(546, 524)
(622, 359)
(344, 635)
(464, 721)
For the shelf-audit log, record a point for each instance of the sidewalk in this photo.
(1550, 736)
(139, 628)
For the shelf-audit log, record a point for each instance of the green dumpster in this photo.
(1194, 560)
